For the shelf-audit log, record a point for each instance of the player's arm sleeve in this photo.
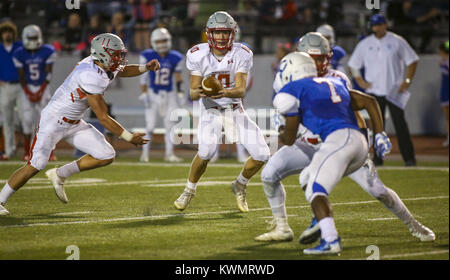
(88, 83)
(286, 104)
(356, 60)
(144, 77)
(407, 53)
(17, 62)
(51, 59)
(193, 65)
(246, 63)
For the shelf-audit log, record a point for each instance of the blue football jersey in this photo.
(338, 54)
(34, 62)
(163, 78)
(324, 104)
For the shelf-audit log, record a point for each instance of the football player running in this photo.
(34, 63)
(230, 63)
(158, 92)
(293, 159)
(62, 118)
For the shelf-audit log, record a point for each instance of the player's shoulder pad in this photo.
(241, 48)
(18, 52)
(197, 52)
(48, 47)
(148, 53)
(91, 81)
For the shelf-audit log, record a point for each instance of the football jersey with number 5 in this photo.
(323, 104)
(33, 63)
(163, 78)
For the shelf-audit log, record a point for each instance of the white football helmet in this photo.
(32, 37)
(109, 50)
(161, 34)
(296, 66)
(221, 21)
(327, 31)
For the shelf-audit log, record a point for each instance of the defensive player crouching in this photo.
(291, 160)
(229, 62)
(158, 92)
(34, 62)
(61, 118)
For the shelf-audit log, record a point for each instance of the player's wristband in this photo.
(143, 68)
(127, 136)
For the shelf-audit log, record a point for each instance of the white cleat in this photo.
(185, 198)
(58, 184)
(144, 158)
(240, 191)
(173, 158)
(3, 210)
(422, 232)
(280, 232)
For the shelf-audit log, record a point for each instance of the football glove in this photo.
(383, 145)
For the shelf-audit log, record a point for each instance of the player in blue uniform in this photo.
(338, 52)
(34, 63)
(158, 90)
(325, 107)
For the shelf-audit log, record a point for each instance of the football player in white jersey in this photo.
(230, 63)
(62, 118)
(293, 159)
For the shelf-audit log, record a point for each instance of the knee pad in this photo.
(270, 188)
(207, 152)
(39, 159)
(106, 152)
(269, 173)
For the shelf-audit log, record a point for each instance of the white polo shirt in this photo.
(384, 61)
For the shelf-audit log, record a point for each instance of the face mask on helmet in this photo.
(161, 46)
(161, 40)
(32, 37)
(220, 38)
(322, 62)
(117, 59)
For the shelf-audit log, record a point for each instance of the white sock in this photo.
(6, 192)
(68, 170)
(328, 229)
(146, 147)
(192, 186)
(242, 180)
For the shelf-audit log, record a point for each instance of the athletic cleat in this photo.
(58, 184)
(311, 234)
(3, 210)
(143, 158)
(422, 232)
(185, 198)
(280, 231)
(240, 191)
(173, 158)
(325, 248)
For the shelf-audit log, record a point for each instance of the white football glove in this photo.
(383, 145)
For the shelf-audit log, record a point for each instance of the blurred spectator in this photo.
(145, 15)
(95, 28)
(443, 52)
(73, 35)
(117, 26)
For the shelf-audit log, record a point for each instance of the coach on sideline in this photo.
(9, 85)
(384, 55)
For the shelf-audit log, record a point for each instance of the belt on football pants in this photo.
(233, 106)
(70, 121)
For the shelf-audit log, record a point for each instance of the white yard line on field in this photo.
(227, 165)
(415, 254)
(198, 214)
(71, 213)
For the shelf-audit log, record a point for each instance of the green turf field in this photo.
(125, 211)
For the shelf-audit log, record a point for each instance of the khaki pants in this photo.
(9, 97)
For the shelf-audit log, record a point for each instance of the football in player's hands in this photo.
(211, 86)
